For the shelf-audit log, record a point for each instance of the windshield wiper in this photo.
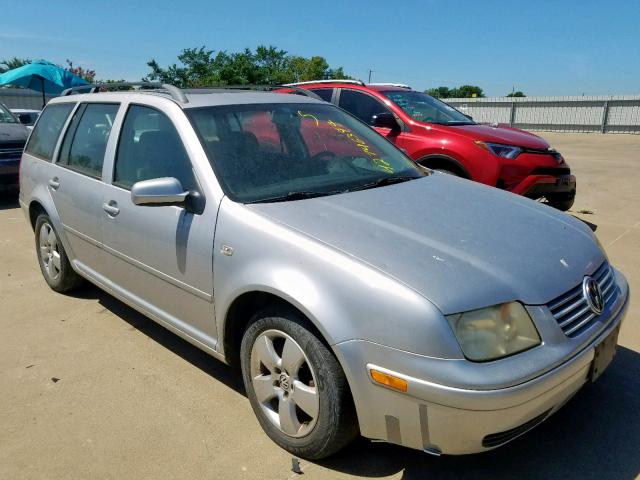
(294, 196)
(381, 182)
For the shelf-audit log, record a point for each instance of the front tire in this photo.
(296, 387)
(52, 257)
(563, 201)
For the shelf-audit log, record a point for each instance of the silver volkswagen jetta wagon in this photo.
(357, 292)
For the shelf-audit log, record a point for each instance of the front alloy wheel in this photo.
(284, 383)
(296, 386)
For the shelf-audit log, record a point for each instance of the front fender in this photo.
(345, 298)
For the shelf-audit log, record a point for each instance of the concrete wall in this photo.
(22, 98)
(604, 114)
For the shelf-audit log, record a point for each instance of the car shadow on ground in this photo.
(592, 226)
(596, 435)
(8, 200)
(231, 377)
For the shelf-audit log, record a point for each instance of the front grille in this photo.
(11, 149)
(551, 171)
(571, 310)
(500, 438)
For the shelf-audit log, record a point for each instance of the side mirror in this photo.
(385, 120)
(159, 192)
(468, 116)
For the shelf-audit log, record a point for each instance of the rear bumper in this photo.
(442, 419)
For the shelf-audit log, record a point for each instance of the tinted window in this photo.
(324, 93)
(274, 151)
(424, 108)
(45, 134)
(361, 105)
(6, 116)
(149, 147)
(85, 143)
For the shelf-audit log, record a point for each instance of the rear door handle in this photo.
(111, 208)
(54, 183)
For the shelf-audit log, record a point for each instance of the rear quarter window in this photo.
(45, 134)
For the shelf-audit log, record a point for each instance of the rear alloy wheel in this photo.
(52, 257)
(296, 387)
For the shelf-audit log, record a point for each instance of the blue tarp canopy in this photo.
(42, 76)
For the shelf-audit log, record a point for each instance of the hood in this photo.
(501, 134)
(13, 132)
(460, 244)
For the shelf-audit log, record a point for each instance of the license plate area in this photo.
(565, 180)
(604, 353)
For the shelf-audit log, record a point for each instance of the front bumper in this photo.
(9, 171)
(536, 186)
(438, 419)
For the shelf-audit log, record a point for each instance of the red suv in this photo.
(442, 138)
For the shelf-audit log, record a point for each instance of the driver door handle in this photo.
(111, 208)
(54, 183)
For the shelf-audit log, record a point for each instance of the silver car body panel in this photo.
(375, 271)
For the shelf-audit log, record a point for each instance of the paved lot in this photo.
(91, 389)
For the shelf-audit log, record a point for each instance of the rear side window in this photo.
(324, 93)
(150, 147)
(86, 140)
(45, 135)
(361, 105)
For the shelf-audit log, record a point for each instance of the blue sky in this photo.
(542, 47)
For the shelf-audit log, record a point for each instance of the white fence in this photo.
(604, 114)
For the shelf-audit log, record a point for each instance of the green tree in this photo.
(11, 63)
(467, 91)
(199, 67)
(439, 92)
(516, 94)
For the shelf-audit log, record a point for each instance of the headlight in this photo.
(504, 151)
(494, 332)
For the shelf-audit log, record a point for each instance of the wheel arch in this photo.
(242, 311)
(444, 161)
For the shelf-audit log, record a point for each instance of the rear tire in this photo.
(52, 257)
(296, 387)
(562, 201)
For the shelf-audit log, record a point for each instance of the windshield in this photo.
(6, 116)
(279, 152)
(423, 108)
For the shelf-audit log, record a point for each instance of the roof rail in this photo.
(260, 88)
(355, 82)
(177, 94)
(399, 85)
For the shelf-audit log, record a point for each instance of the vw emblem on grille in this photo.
(593, 295)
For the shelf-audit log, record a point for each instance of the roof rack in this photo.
(259, 88)
(177, 94)
(399, 85)
(355, 82)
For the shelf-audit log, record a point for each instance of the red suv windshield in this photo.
(423, 108)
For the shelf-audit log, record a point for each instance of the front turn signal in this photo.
(389, 380)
